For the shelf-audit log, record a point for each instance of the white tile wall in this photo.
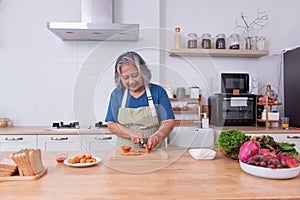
(40, 75)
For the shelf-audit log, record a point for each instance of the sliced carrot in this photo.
(133, 153)
(147, 149)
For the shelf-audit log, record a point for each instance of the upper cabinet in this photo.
(218, 53)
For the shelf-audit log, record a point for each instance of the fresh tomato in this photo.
(126, 148)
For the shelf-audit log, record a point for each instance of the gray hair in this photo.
(132, 58)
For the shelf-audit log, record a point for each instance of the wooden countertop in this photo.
(179, 177)
(44, 130)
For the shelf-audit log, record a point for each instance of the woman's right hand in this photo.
(122, 131)
(136, 137)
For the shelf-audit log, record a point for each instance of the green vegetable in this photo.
(230, 142)
(288, 148)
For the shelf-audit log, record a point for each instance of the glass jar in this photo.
(192, 41)
(4, 122)
(220, 42)
(234, 41)
(206, 41)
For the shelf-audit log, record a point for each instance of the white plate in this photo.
(264, 172)
(83, 164)
(202, 154)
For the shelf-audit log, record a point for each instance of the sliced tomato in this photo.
(126, 148)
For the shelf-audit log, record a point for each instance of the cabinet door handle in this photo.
(14, 139)
(59, 138)
(293, 137)
(103, 138)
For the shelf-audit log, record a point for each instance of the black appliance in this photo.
(230, 110)
(291, 61)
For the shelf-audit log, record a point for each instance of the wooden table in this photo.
(180, 177)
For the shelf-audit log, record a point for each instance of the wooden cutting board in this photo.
(157, 154)
(23, 178)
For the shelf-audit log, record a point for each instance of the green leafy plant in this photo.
(230, 142)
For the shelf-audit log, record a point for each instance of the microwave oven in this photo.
(244, 83)
(232, 110)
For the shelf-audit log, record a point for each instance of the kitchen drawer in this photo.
(100, 142)
(59, 142)
(17, 142)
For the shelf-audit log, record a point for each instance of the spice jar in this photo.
(206, 41)
(234, 41)
(220, 42)
(192, 41)
(4, 122)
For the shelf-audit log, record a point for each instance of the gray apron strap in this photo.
(150, 102)
(124, 98)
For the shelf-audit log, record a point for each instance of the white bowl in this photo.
(202, 154)
(264, 172)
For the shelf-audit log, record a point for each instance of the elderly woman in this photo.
(139, 112)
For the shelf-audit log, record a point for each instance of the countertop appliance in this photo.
(230, 110)
(97, 23)
(242, 83)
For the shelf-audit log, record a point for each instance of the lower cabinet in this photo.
(17, 142)
(101, 142)
(59, 142)
(192, 137)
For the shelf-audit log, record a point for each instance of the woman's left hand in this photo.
(154, 140)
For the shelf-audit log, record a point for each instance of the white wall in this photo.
(44, 79)
(220, 17)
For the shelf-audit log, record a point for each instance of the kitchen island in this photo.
(179, 177)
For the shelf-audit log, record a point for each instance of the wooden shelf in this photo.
(188, 110)
(268, 107)
(270, 104)
(219, 53)
(271, 121)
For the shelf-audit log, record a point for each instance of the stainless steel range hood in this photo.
(97, 24)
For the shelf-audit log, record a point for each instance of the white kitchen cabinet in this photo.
(17, 142)
(192, 137)
(98, 142)
(285, 137)
(59, 142)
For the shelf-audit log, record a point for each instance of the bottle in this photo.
(205, 121)
(177, 38)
